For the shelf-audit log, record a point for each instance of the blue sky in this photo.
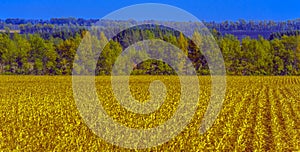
(208, 10)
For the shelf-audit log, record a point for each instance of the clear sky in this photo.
(208, 10)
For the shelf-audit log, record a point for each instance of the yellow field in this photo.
(38, 113)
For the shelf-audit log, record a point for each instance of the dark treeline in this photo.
(62, 26)
(34, 54)
(279, 35)
(266, 25)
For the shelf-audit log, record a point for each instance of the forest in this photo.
(37, 47)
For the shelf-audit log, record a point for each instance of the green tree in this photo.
(22, 54)
(183, 45)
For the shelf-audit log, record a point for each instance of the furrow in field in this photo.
(262, 130)
(245, 131)
(224, 130)
(267, 121)
(291, 124)
(280, 136)
(236, 116)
